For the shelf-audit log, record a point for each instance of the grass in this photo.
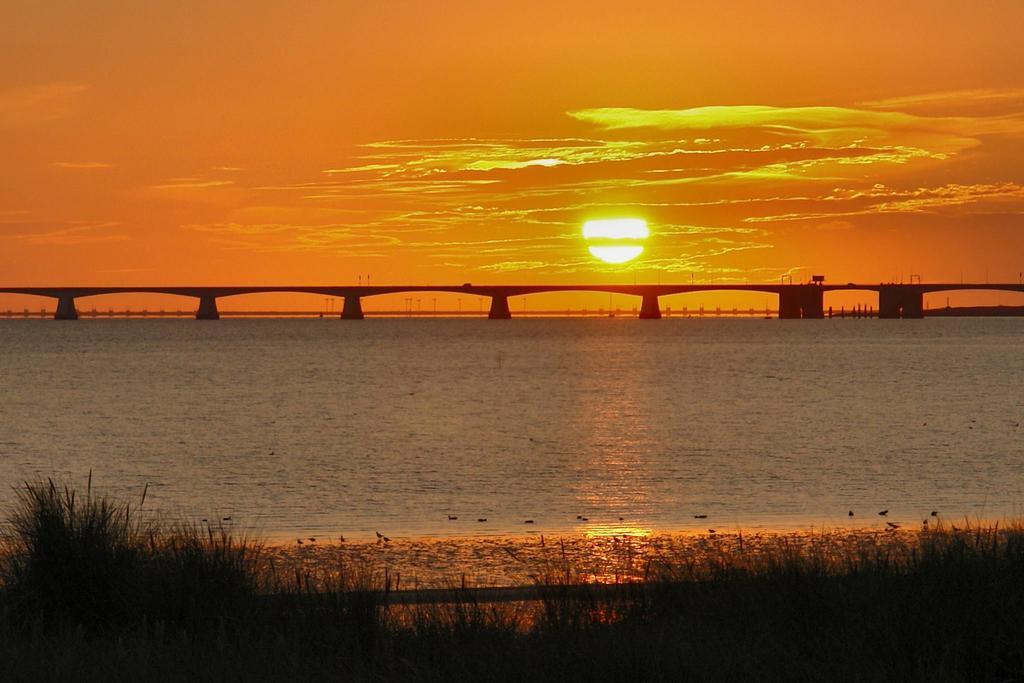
(92, 590)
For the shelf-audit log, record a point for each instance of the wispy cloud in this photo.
(34, 104)
(69, 235)
(879, 199)
(1013, 97)
(191, 184)
(81, 165)
(822, 126)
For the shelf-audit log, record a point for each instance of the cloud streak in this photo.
(67, 236)
(33, 104)
(81, 165)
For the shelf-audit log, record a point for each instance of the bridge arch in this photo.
(980, 298)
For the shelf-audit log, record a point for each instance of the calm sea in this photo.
(296, 427)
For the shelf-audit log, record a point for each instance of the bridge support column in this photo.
(66, 309)
(649, 309)
(499, 308)
(813, 302)
(913, 305)
(789, 305)
(801, 301)
(888, 303)
(353, 308)
(207, 308)
(900, 302)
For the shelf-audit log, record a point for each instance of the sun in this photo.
(615, 240)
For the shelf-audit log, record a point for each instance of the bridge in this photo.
(795, 300)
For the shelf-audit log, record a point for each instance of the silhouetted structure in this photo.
(795, 300)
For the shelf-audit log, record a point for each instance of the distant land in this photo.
(975, 311)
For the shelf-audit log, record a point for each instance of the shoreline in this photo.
(509, 562)
(282, 539)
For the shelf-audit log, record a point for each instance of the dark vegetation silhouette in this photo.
(94, 590)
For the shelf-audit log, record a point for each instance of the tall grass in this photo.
(70, 557)
(95, 564)
(93, 590)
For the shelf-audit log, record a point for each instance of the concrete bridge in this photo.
(795, 300)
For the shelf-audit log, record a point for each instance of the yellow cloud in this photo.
(882, 200)
(951, 98)
(831, 126)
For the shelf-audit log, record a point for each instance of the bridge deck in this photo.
(219, 291)
(795, 300)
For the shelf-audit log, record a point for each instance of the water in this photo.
(300, 427)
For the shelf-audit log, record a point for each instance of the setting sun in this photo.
(615, 240)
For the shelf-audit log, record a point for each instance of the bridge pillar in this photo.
(353, 309)
(801, 301)
(888, 303)
(900, 301)
(649, 309)
(812, 303)
(66, 309)
(499, 308)
(913, 304)
(208, 308)
(789, 305)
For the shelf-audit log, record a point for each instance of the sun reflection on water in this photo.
(615, 530)
(613, 433)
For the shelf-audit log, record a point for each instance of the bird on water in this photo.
(883, 513)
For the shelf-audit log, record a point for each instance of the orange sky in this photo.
(308, 143)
